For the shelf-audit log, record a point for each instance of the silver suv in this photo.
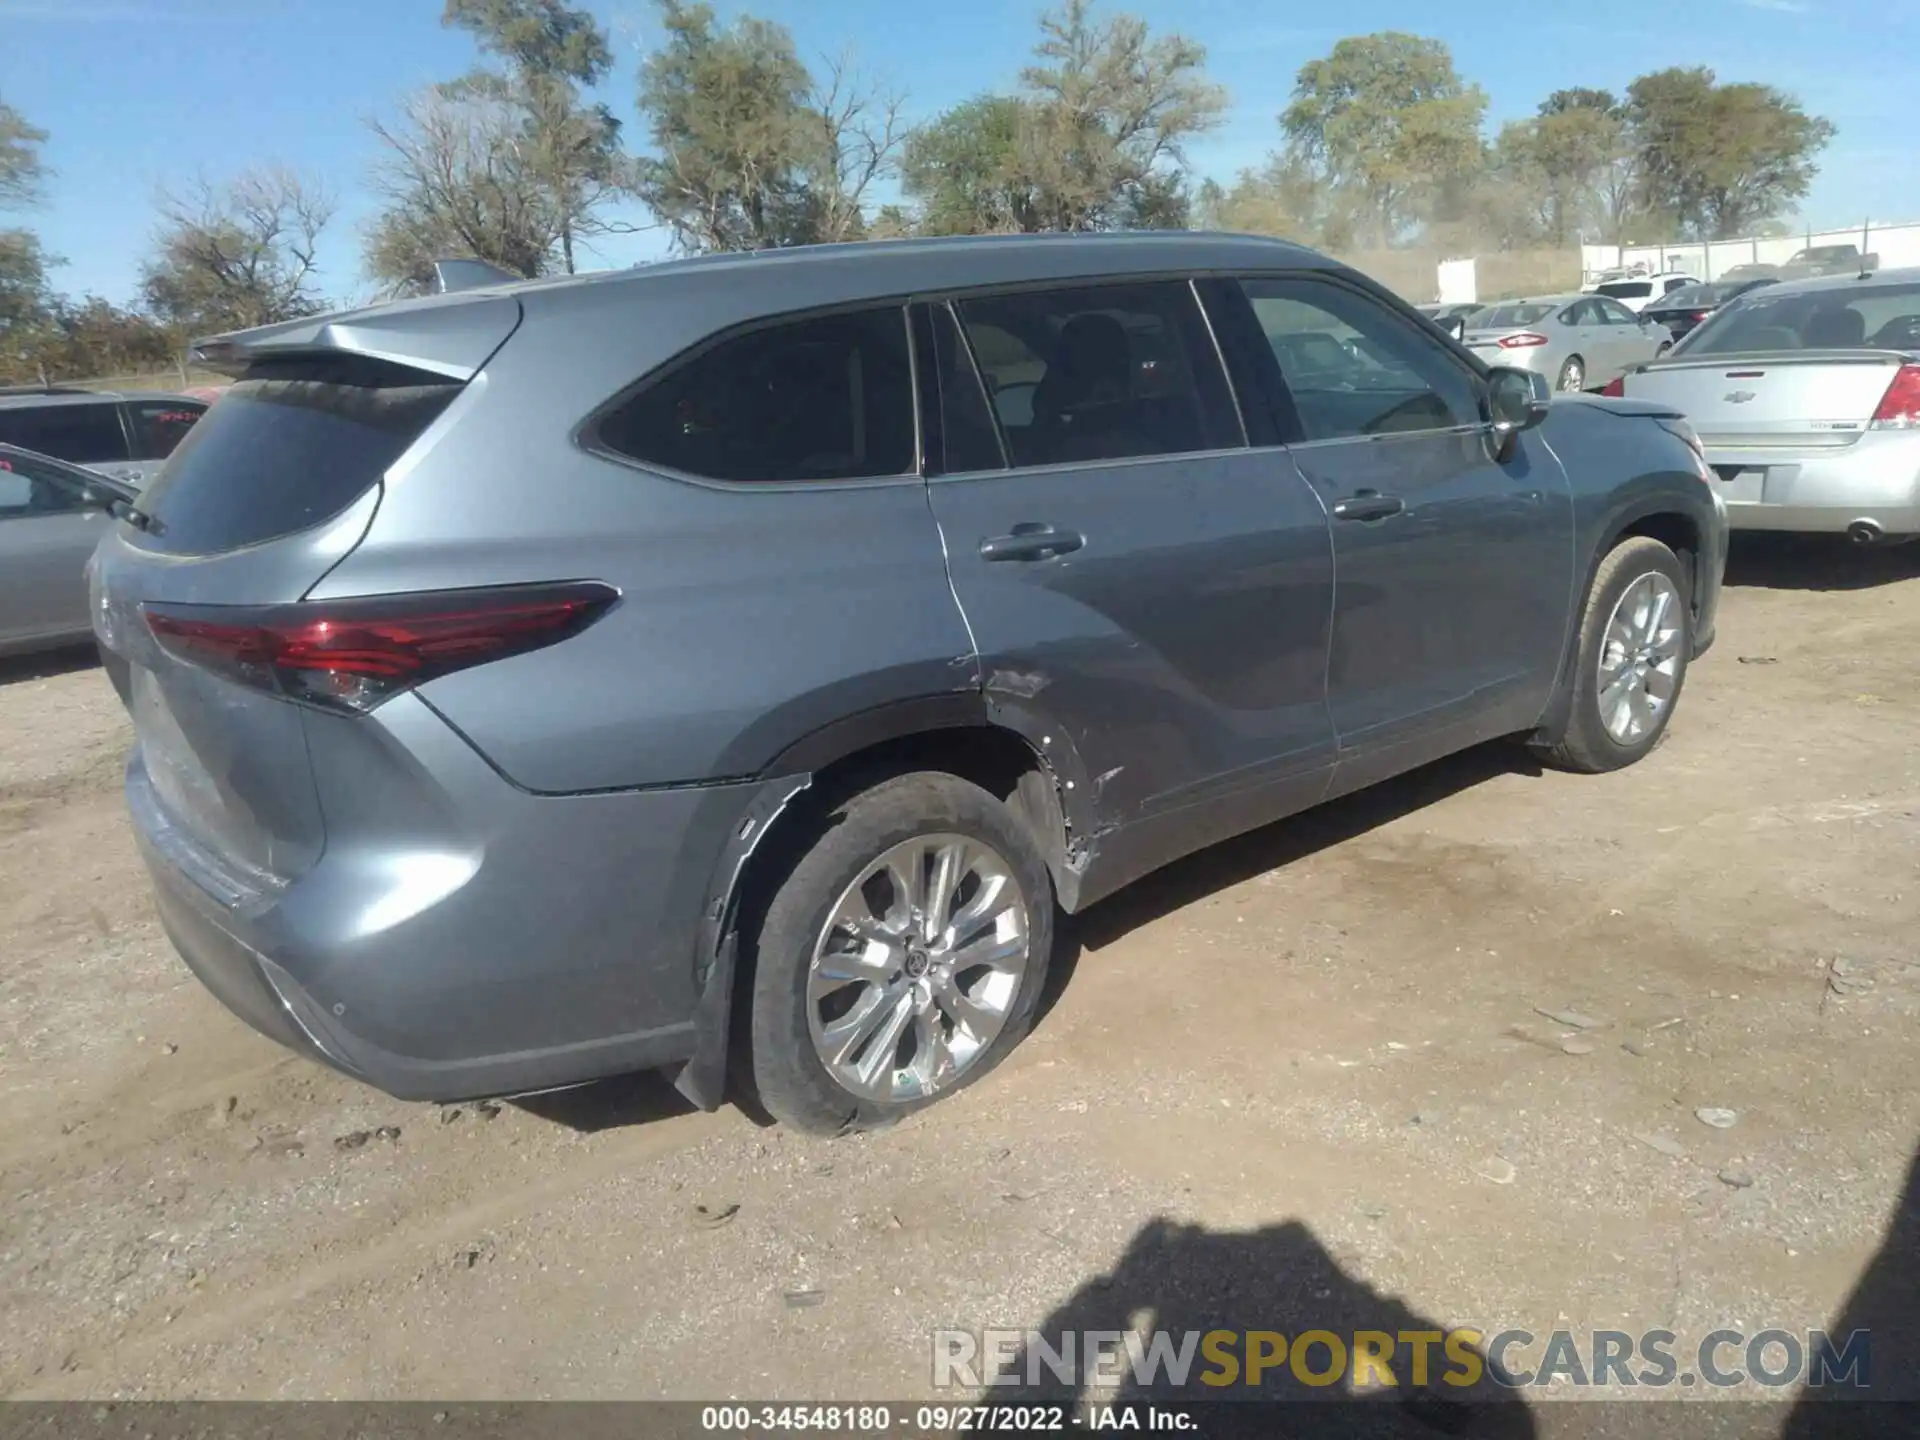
(755, 654)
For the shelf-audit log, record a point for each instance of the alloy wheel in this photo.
(1640, 658)
(917, 967)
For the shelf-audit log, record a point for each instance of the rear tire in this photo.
(861, 1013)
(1636, 639)
(1573, 376)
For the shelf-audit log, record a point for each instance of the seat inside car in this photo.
(1083, 404)
(1837, 327)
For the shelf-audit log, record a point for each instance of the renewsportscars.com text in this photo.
(1461, 1359)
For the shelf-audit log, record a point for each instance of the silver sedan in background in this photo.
(51, 514)
(1578, 342)
(1806, 398)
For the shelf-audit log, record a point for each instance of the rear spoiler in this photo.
(454, 275)
(1763, 358)
(451, 334)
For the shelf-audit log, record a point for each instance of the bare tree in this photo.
(859, 142)
(460, 179)
(239, 254)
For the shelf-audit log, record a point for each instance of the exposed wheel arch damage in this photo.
(1008, 753)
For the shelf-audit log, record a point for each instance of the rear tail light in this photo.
(1900, 406)
(350, 655)
(1616, 387)
(1700, 315)
(1524, 341)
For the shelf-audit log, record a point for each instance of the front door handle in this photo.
(1031, 541)
(1368, 505)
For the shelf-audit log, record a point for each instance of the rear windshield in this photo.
(289, 445)
(1627, 289)
(1502, 317)
(1884, 317)
(1699, 297)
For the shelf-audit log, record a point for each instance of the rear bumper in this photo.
(565, 945)
(1875, 480)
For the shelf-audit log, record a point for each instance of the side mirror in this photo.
(1516, 400)
(1455, 325)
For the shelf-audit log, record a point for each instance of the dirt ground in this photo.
(1299, 1080)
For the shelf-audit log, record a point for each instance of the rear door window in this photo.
(158, 426)
(829, 397)
(290, 444)
(1101, 372)
(84, 434)
(1627, 289)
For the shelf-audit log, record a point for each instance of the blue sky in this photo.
(137, 92)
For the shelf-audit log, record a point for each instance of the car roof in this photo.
(809, 275)
(38, 399)
(947, 260)
(1819, 284)
(1566, 299)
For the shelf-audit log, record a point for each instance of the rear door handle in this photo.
(1368, 505)
(1031, 541)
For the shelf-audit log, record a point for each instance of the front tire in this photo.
(902, 957)
(1636, 637)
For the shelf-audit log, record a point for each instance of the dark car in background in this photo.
(1683, 309)
(551, 680)
(125, 435)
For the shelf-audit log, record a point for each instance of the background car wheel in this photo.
(1636, 637)
(901, 958)
(1665, 346)
(1573, 375)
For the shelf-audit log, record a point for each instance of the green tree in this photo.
(549, 51)
(968, 170)
(1570, 164)
(1721, 160)
(26, 299)
(749, 150)
(1095, 139)
(236, 255)
(21, 169)
(27, 307)
(1283, 198)
(1387, 120)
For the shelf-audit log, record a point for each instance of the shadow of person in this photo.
(1177, 1280)
(1886, 1305)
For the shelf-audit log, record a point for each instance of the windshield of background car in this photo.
(1505, 317)
(1699, 297)
(1884, 317)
